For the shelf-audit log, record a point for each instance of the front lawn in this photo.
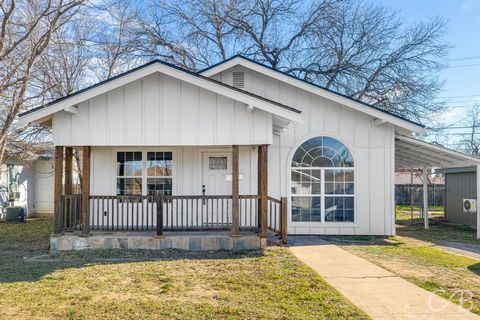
(436, 208)
(438, 231)
(270, 284)
(414, 255)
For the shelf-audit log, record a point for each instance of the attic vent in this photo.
(239, 80)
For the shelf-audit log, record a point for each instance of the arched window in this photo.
(322, 184)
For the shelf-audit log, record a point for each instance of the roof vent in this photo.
(239, 80)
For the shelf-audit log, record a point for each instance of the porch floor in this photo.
(193, 241)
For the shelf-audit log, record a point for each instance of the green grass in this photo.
(109, 284)
(412, 255)
(418, 208)
(438, 230)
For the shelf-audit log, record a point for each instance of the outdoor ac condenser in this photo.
(469, 205)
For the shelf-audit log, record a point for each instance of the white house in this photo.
(28, 184)
(197, 137)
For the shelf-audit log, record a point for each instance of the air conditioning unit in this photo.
(469, 205)
(13, 196)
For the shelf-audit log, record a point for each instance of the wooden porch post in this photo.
(262, 189)
(68, 170)
(58, 226)
(67, 216)
(85, 190)
(235, 192)
(283, 219)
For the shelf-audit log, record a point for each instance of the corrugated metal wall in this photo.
(460, 186)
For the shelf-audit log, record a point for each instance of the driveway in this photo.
(378, 292)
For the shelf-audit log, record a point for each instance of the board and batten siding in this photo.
(161, 110)
(44, 174)
(372, 146)
(187, 168)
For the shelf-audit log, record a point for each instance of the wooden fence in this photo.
(404, 193)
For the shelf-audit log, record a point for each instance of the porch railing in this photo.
(174, 213)
(72, 212)
(277, 217)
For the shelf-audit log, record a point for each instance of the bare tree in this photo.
(64, 67)
(160, 35)
(273, 28)
(26, 28)
(351, 46)
(113, 44)
(366, 52)
(62, 70)
(470, 141)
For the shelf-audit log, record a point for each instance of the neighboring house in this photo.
(29, 184)
(405, 178)
(216, 143)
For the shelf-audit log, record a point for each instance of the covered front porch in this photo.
(162, 220)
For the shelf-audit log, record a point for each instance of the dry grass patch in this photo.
(270, 284)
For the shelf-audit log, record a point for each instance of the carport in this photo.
(415, 155)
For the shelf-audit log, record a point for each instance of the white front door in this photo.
(216, 167)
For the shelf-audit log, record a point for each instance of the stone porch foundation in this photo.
(193, 241)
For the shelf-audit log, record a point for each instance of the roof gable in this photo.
(42, 113)
(371, 110)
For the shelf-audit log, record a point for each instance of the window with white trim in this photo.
(129, 173)
(159, 173)
(136, 169)
(322, 182)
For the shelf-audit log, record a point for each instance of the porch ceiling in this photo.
(413, 154)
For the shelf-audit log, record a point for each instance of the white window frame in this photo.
(128, 177)
(143, 177)
(145, 171)
(322, 194)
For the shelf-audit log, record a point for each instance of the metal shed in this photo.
(460, 183)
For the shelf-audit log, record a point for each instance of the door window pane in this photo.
(217, 163)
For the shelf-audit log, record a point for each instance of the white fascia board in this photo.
(225, 66)
(173, 72)
(315, 90)
(86, 95)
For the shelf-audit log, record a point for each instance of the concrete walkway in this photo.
(463, 249)
(376, 291)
